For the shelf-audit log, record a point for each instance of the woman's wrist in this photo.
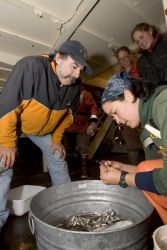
(130, 180)
(128, 168)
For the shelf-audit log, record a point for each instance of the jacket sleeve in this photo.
(160, 118)
(59, 131)
(11, 104)
(90, 104)
(155, 180)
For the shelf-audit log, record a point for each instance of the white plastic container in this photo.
(160, 238)
(19, 198)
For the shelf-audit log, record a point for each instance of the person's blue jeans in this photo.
(5, 180)
(57, 168)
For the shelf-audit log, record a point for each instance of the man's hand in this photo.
(92, 128)
(8, 156)
(60, 148)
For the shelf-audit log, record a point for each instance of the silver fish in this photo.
(93, 222)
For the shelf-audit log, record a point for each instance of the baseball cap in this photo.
(116, 86)
(78, 53)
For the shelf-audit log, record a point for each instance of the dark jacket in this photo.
(154, 112)
(152, 65)
(33, 102)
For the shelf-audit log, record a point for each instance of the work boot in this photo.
(84, 174)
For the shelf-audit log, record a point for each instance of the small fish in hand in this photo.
(103, 163)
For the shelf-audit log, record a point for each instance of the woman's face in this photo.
(125, 111)
(124, 58)
(143, 39)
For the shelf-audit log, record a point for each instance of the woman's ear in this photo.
(128, 96)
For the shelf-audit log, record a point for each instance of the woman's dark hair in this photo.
(140, 87)
(122, 48)
(144, 27)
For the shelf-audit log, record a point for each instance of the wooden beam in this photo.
(99, 137)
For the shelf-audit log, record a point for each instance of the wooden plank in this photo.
(99, 137)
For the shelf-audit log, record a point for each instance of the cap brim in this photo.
(87, 69)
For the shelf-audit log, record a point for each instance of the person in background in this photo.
(78, 135)
(39, 99)
(135, 101)
(131, 136)
(126, 61)
(152, 65)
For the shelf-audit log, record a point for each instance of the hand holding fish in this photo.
(113, 164)
(118, 165)
(109, 175)
(110, 172)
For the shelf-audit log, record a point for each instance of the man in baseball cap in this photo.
(78, 53)
(41, 97)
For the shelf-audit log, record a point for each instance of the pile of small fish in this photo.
(91, 222)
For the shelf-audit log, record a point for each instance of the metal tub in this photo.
(55, 204)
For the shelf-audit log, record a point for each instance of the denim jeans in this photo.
(5, 181)
(57, 168)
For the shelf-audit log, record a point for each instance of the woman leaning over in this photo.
(135, 102)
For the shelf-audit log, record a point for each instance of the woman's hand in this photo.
(109, 175)
(119, 165)
(110, 172)
(113, 164)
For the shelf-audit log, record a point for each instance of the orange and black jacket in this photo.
(33, 102)
(133, 70)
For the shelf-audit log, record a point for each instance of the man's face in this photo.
(68, 71)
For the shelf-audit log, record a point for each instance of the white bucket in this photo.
(160, 238)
